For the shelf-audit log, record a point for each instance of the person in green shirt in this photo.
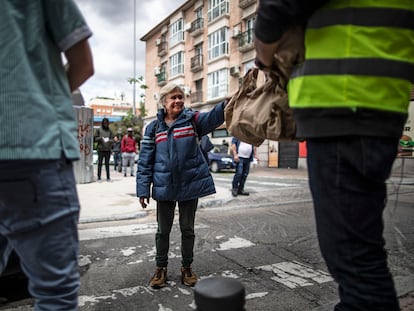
(39, 206)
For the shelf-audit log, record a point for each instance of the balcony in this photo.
(162, 49)
(197, 63)
(162, 78)
(197, 96)
(197, 27)
(246, 41)
(218, 11)
(245, 3)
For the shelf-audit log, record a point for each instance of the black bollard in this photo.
(219, 294)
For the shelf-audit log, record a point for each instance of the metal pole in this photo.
(135, 53)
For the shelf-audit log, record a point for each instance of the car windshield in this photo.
(220, 149)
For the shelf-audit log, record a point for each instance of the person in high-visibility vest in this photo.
(350, 99)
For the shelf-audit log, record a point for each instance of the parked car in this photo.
(111, 160)
(219, 159)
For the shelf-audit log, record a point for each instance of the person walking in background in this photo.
(243, 155)
(39, 207)
(171, 162)
(350, 100)
(116, 152)
(105, 139)
(128, 149)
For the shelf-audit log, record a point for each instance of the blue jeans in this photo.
(242, 171)
(39, 211)
(117, 160)
(165, 218)
(347, 179)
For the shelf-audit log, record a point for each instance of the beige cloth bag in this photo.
(260, 110)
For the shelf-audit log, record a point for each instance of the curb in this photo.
(113, 218)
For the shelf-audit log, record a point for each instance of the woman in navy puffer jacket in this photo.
(171, 161)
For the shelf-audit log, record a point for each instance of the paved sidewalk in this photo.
(116, 200)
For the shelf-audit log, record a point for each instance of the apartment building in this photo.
(112, 108)
(206, 46)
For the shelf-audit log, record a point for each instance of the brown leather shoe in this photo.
(160, 278)
(188, 277)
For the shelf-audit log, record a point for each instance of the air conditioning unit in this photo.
(157, 42)
(235, 71)
(187, 90)
(236, 32)
(187, 27)
(157, 71)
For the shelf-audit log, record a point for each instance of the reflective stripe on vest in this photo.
(353, 52)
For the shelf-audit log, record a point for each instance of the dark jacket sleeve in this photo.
(146, 162)
(274, 17)
(206, 122)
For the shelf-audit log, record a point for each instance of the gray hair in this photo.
(167, 89)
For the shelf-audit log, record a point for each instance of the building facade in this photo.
(112, 108)
(206, 46)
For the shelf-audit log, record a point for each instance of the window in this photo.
(198, 13)
(177, 64)
(217, 8)
(198, 49)
(248, 65)
(177, 32)
(163, 67)
(218, 43)
(250, 27)
(199, 85)
(217, 84)
(197, 60)
(220, 133)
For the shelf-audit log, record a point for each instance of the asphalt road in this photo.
(267, 241)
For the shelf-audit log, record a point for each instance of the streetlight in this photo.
(135, 53)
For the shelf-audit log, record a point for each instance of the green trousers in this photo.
(165, 219)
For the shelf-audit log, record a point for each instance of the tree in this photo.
(130, 120)
(142, 86)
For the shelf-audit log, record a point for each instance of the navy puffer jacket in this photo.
(172, 160)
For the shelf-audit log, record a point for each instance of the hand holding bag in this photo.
(261, 111)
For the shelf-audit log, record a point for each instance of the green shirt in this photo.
(37, 120)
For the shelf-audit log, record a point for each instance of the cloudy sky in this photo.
(112, 24)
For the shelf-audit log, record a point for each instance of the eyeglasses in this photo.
(179, 97)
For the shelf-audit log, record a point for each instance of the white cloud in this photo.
(112, 24)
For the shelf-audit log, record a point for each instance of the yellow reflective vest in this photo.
(359, 54)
